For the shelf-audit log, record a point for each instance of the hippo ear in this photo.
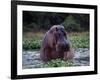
(51, 30)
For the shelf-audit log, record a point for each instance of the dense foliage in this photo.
(34, 21)
(58, 63)
(78, 40)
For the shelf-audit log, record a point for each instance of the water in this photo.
(31, 59)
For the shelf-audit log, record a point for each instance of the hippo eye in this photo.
(63, 31)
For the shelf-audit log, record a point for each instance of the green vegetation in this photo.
(32, 43)
(78, 40)
(71, 24)
(34, 21)
(58, 63)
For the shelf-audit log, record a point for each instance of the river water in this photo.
(31, 59)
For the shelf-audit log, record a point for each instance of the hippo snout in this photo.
(62, 46)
